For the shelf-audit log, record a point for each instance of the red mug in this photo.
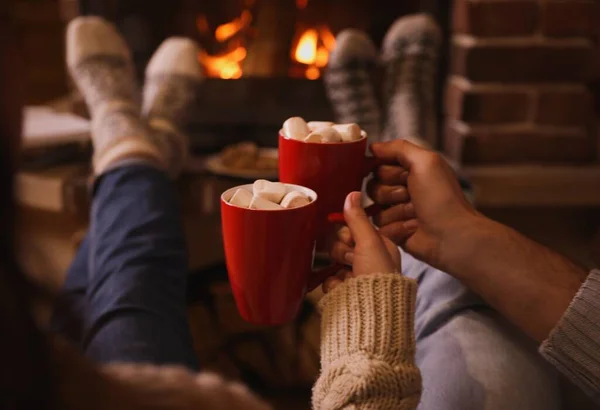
(332, 170)
(269, 256)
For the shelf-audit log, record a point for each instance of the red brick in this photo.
(567, 106)
(568, 18)
(483, 104)
(494, 145)
(532, 60)
(496, 18)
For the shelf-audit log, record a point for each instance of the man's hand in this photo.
(427, 207)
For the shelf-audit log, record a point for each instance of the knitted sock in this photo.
(348, 82)
(172, 79)
(410, 54)
(100, 63)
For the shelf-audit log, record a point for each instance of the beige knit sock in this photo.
(100, 63)
(172, 79)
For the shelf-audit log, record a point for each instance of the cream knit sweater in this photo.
(368, 346)
(367, 355)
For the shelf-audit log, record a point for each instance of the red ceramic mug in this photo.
(269, 256)
(332, 170)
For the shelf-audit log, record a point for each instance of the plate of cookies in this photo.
(245, 160)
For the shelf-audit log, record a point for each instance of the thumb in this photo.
(357, 220)
(401, 151)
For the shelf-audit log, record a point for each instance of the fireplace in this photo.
(263, 58)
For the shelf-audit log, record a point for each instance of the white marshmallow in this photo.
(348, 132)
(264, 204)
(316, 125)
(295, 128)
(294, 199)
(329, 135)
(313, 137)
(271, 191)
(241, 198)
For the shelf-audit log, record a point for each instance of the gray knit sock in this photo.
(410, 54)
(100, 63)
(348, 82)
(172, 79)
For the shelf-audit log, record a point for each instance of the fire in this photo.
(226, 65)
(312, 49)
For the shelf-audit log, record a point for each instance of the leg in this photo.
(138, 267)
(469, 357)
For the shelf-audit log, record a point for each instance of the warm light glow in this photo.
(327, 38)
(312, 73)
(301, 4)
(225, 31)
(306, 51)
(226, 66)
(322, 57)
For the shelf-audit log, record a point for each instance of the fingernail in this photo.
(349, 257)
(398, 194)
(355, 199)
(410, 207)
(411, 225)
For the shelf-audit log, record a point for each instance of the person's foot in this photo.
(410, 55)
(172, 79)
(100, 64)
(348, 82)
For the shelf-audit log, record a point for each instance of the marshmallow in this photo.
(295, 128)
(316, 125)
(348, 132)
(271, 191)
(329, 135)
(264, 204)
(241, 198)
(313, 137)
(294, 199)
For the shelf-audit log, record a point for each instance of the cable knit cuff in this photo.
(371, 314)
(573, 346)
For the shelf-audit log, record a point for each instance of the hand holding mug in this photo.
(427, 209)
(360, 246)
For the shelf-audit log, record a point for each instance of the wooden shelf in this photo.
(535, 186)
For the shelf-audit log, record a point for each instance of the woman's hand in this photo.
(360, 246)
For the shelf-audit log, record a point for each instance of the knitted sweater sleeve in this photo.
(368, 346)
(573, 346)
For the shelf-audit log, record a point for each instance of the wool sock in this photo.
(410, 54)
(172, 79)
(100, 64)
(348, 82)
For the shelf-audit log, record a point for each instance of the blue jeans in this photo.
(124, 297)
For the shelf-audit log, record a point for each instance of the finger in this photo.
(392, 175)
(341, 253)
(388, 194)
(333, 281)
(357, 220)
(394, 252)
(402, 151)
(345, 236)
(398, 213)
(399, 232)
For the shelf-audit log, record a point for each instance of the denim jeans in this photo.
(124, 300)
(124, 297)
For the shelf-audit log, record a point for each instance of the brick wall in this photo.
(519, 89)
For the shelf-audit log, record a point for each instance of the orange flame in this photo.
(225, 31)
(312, 49)
(226, 66)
